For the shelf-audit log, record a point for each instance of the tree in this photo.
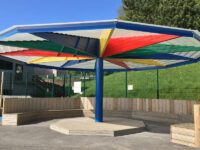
(177, 13)
(140, 10)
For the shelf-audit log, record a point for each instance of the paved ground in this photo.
(40, 137)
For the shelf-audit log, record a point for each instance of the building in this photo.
(18, 77)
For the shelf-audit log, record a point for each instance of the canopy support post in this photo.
(99, 90)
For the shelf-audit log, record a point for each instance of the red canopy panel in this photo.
(34, 52)
(124, 44)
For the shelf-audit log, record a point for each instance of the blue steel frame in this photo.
(99, 90)
(104, 24)
(120, 70)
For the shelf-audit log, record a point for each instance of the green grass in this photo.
(175, 83)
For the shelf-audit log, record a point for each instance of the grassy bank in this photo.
(175, 83)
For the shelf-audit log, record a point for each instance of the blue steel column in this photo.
(99, 90)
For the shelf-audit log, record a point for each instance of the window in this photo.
(18, 72)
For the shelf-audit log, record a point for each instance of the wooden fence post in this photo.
(1, 92)
(197, 124)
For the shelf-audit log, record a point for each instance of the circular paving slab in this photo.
(87, 126)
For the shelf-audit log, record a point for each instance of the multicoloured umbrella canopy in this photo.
(122, 45)
(109, 45)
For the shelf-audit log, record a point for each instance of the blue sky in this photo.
(13, 12)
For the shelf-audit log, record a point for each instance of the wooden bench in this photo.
(28, 117)
(187, 133)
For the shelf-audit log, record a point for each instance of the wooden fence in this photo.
(179, 107)
(125, 107)
(16, 105)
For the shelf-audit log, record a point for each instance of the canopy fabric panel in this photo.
(43, 45)
(55, 59)
(158, 49)
(35, 52)
(104, 39)
(9, 49)
(82, 44)
(123, 45)
(23, 37)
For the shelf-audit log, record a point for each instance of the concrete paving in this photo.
(39, 137)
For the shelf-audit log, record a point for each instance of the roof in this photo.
(123, 45)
